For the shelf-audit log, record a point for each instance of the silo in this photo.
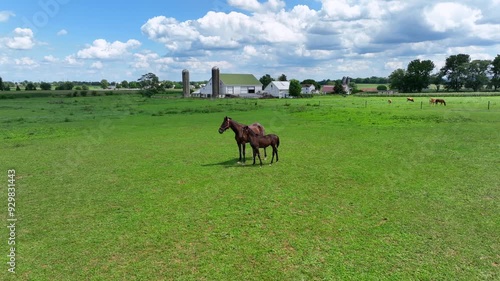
(185, 83)
(215, 82)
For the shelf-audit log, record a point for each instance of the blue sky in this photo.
(54, 40)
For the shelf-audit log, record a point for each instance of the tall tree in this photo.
(150, 84)
(124, 84)
(418, 74)
(1, 84)
(30, 86)
(339, 88)
(104, 84)
(45, 86)
(266, 80)
(295, 88)
(455, 71)
(477, 74)
(149, 80)
(282, 77)
(495, 72)
(397, 80)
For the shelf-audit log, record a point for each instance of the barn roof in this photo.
(281, 85)
(239, 79)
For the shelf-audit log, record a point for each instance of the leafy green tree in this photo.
(124, 84)
(30, 87)
(45, 86)
(150, 85)
(418, 73)
(168, 84)
(339, 88)
(65, 86)
(295, 88)
(17, 88)
(477, 74)
(133, 85)
(266, 80)
(495, 72)
(104, 84)
(397, 80)
(282, 77)
(381, 88)
(1, 84)
(455, 70)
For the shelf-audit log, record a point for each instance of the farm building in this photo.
(241, 85)
(327, 89)
(308, 89)
(279, 89)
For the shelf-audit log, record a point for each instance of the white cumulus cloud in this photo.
(101, 49)
(22, 39)
(26, 62)
(451, 16)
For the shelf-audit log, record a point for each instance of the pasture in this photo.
(128, 188)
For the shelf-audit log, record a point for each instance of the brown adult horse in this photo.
(432, 101)
(441, 101)
(257, 141)
(410, 99)
(240, 137)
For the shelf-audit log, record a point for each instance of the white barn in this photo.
(279, 89)
(242, 85)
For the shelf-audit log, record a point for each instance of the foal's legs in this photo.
(256, 151)
(275, 150)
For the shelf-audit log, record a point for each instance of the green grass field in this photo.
(128, 188)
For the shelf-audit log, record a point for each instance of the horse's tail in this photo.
(277, 141)
(444, 102)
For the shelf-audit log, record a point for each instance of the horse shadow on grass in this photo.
(231, 163)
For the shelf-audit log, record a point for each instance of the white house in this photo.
(242, 85)
(308, 89)
(279, 89)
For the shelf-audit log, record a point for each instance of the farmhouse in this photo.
(308, 89)
(240, 85)
(278, 89)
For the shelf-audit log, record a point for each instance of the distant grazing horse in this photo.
(432, 101)
(240, 137)
(410, 99)
(441, 101)
(389, 101)
(257, 141)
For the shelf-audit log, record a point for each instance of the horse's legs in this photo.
(244, 156)
(265, 154)
(239, 149)
(254, 153)
(276, 149)
(272, 158)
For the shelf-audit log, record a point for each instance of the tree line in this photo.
(459, 73)
(85, 85)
